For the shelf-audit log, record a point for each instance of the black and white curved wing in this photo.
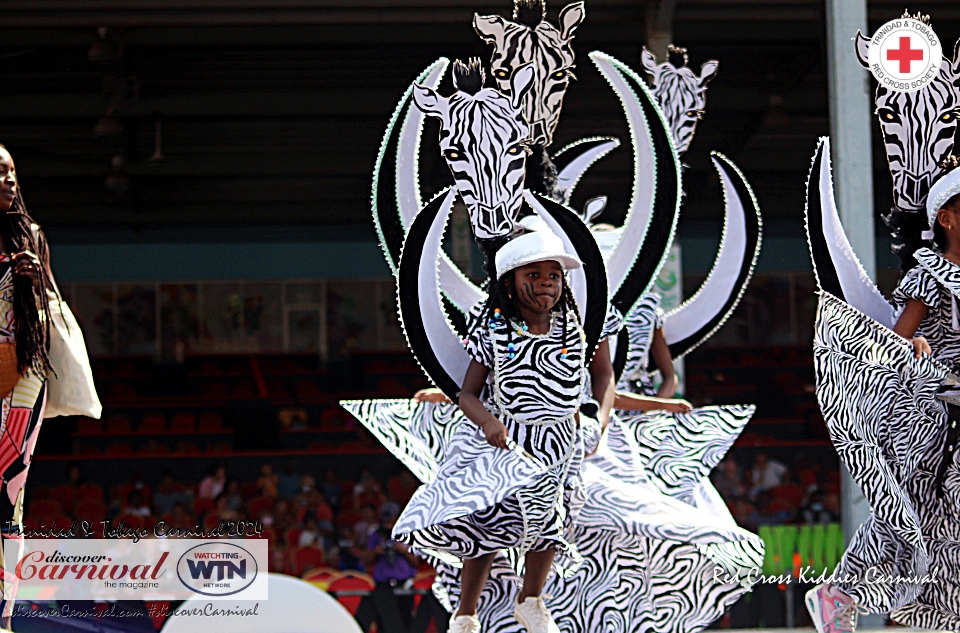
(573, 160)
(835, 265)
(651, 220)
(434, 341)
(700, 316)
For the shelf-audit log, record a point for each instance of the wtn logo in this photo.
(217, 569)
(224, 569)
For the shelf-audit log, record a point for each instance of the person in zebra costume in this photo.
(891, 407)
(523, 389)
(887, 404)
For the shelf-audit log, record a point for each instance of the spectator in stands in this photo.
(268, 482)
(331, 488)
(288, 484)
(283, 517)
(393, 567)
(766, 474)
(766, 514)
(367, 524)
(234, 498)
(138, 483)
(310, 535)
(74, 475)
(390, 507)
(293, 418)
(212, 485)
(367, 491)
(401, 487)
(136, 505)
(222, 509)
(167, 495)
(728, 479)
(308, 498)
(817, 510)
(278, 560)
(348, 553)
(179, 517)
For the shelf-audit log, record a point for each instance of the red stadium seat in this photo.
(89, 492)
(353, 582)
(258, 505)
(304, 559)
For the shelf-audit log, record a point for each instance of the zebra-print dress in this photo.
(648, 561)
(484, 499)
(889, 429)
(641, 321)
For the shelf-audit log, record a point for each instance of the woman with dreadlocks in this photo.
(502, 483)
(24, 335)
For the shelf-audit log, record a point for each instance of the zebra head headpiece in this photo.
(918, 129)
(531, 39)
(681, 93)
(483, 137)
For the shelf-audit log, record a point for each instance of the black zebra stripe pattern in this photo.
(641, 321)
(681, 93)
(918, 128)
(880, 405)
(483, 140)
(549, 49)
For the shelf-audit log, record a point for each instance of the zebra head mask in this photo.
(918, 129)
(531, 39)
(681, 93)
(483, 138)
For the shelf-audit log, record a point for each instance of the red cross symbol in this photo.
(905, 54)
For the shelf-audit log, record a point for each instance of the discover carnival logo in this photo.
(217, 569)
(905, 54)
(149, 569)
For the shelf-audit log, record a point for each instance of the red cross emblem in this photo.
(905, 54)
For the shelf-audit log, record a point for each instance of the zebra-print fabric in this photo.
(681, 93)
(889, 430)
(930, 283)
(484, 499)
(543, 379)
(482, 138)
(649, 562)
(678, 450)
(651, 534)
(643, 318)
(549, 49)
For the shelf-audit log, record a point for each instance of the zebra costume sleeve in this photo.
(480, 346)
(658, 319)
(613, 323)
(918, 284)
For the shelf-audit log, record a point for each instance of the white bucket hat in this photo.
(940, 193)
(539, 245)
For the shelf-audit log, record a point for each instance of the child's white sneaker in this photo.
(534, 616)
(464, 624)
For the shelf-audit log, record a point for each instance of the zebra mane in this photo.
(677, 56)
(529, 12)
(919, 17)
(468, 77)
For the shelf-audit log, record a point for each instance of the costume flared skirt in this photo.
(649, 560)
(889, 429)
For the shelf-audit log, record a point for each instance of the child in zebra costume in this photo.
(505, 485)
(893, 417)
